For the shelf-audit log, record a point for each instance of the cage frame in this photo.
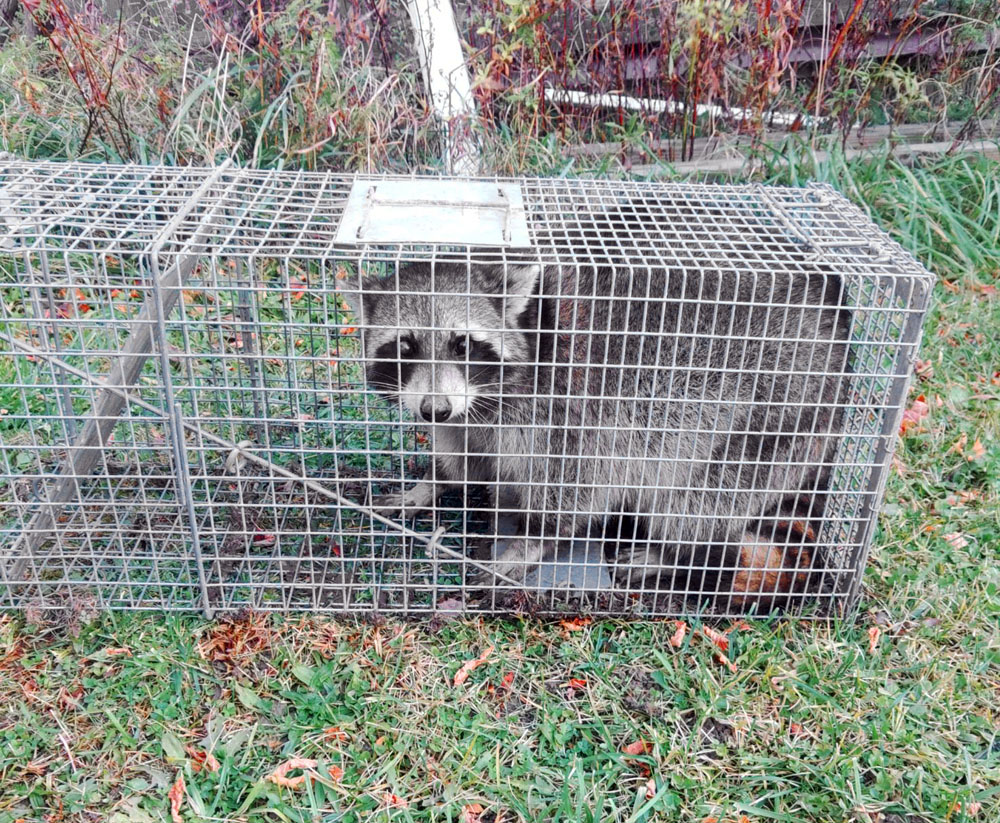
(40, 216)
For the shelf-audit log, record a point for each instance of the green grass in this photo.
(96, 713)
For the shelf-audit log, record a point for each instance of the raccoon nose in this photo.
(435, 410)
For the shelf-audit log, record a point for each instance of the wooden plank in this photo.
(720, 144)
(730, 165)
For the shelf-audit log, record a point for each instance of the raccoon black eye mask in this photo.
(705, 419)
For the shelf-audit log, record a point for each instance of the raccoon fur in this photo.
(689, 417)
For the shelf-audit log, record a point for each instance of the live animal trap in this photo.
(287, 390)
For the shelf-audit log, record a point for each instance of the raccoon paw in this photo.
(514, 563)
(408, 503)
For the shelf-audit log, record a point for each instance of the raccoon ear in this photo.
(519, 285)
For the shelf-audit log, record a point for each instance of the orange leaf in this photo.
(280, 775)
(469, 665)
(202, 760)
(718, 638)
(971, 809)
(722, 660)
(336, 773)
(507, 680)
(471, 813)
(577, 624)
(395, 801)
(334, 733)
(978, 451)
(912, 416)
(576, 683)
(650, 789)
(176, 797)
(795, 729)
(677, 639)
(874, 633)
(637, 748)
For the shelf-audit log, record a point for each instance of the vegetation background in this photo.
(891, 717)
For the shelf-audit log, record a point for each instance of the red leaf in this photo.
(336, 773)
(577, 683)
(677, 640)
(720, 639)
(912, 416)
(395, 801)
(650, 789)
(874, 633)
(176, 797)
(637, 748)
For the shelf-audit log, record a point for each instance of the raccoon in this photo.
(689, 417)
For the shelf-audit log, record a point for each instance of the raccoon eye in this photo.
(462, 345)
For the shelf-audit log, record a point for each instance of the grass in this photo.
(892, 717)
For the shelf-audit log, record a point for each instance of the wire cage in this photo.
(224, 388)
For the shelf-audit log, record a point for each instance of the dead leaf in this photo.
(971, 809)
(677, 639)
(924, 369)
(202, 760)
(469, 665)
(280, 775)
(977, 452)
(650, 789)
(956, 540)
(912, 416)
(176, 797)
(577, 624)
(336, 773)
(335, 733)
(576, 683)
(395, 801)
(637, 748)
(795, 729)
(874, 633)
(472, 812)
(720, 639)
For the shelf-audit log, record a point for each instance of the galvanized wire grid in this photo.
(232, 461)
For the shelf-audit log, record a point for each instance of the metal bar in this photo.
(87, 448)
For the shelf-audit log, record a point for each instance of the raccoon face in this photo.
(445, 353)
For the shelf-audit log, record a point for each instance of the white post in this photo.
(447, 80)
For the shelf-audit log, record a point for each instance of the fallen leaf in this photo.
(977, 452)
(637, 748)
(507, 680)
(956, 540)
(395, 801)
(202, 760)
(336, 773)
(576, 683)
(720, 639)
(176, 797)
(912, 416)
(924, 369)
(677, 639)
(335, 733)
(795, 729)
(280, 775)
(577, 624)
(469, 665)
(874, 633)
(650, 789)
(472, 812)
(725, 661)
(971, 809)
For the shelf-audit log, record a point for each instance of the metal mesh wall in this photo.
(666, 398)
